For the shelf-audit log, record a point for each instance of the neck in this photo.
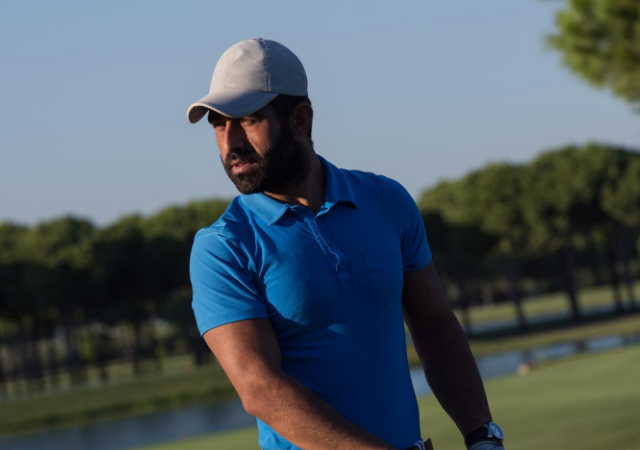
(309, 192)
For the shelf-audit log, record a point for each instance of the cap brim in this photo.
(230, 102)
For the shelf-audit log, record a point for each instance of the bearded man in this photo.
(300, 288)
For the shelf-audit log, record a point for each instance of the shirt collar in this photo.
(338, 190)
(338, 186)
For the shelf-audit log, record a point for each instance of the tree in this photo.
(143, 263)
(120, 265)
(11, 286)
(59, 279)
(177, 310)
(51, 265)
(621, 201)
(485, 208)
(564, 203)
(168, 236)
(494, 201)
(581, 204)
(599, 40)
(10, 275)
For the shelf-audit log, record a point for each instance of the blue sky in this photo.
(94, 94)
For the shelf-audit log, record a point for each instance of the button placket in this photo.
(342, 268)
(332, 252)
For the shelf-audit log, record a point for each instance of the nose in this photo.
(234, 136)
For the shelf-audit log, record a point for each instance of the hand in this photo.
(486, 445)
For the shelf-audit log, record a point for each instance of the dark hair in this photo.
(284, 104)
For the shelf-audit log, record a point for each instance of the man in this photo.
(300, 287)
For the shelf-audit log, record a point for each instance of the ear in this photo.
(300, 120)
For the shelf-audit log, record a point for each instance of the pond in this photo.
(198, 420)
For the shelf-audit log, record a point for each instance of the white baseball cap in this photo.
(248, 76)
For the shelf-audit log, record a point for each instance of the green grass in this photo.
(117, 371)
(625, 325)
(548, 303)
(587, 403)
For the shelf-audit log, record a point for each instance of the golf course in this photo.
(215, 213)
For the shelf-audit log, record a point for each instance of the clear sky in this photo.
(94, 94)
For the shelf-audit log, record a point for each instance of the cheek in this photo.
(257, 143)
(263, 139)
(261, 144)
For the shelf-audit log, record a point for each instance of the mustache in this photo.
(242, 156)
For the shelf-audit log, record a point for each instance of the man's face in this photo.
(258, 152)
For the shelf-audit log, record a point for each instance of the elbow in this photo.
(251, 404)
(255, 397)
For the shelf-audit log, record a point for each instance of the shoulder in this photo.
(370, 180)
(227, 233)
(387, 188)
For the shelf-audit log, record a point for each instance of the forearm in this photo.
(303, 418)
(453, 375)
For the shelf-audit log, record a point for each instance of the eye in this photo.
(248, 121)
(219, 125)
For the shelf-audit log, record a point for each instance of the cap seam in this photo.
(263, 44)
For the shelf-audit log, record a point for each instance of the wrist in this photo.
(489, 433)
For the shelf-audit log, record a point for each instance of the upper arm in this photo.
(423, 301)
(224, 284)
(401, 207)
(231, 314)
(247, 350)
(424, 304)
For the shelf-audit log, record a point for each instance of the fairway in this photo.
(587, 403)
(554, 302)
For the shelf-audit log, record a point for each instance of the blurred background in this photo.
(513, 123)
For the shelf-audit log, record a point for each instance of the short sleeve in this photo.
(416, 254)
(224, 290)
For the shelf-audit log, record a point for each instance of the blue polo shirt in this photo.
(331, 285)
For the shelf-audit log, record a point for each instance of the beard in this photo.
(283, 165)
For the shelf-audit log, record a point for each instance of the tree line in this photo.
(73, 294)
(569, 213)
(96, 290)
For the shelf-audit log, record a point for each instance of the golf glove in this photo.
(486, 445)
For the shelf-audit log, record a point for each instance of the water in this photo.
(135, 431)
(198, 420)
